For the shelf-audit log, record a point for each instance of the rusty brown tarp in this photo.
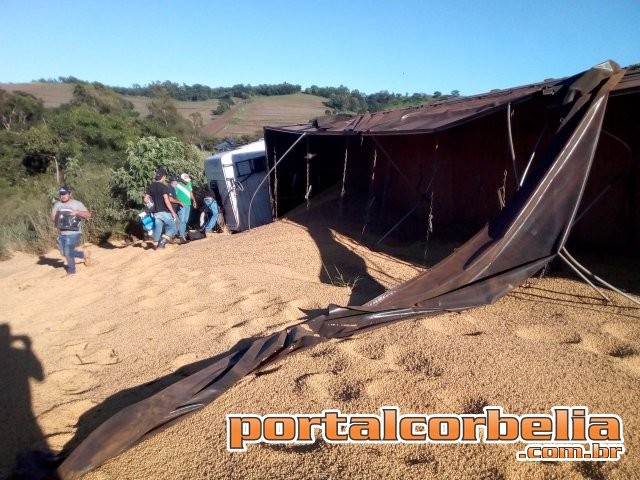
(524, 237)
(438, 116)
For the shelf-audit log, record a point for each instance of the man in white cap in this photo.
(184, 192)
(67, 215)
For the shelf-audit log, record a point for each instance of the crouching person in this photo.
(67, 215)
(210, 213)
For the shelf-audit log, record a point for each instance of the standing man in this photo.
(184, 192)
(67, 215)
(164, 214)
(177, 204)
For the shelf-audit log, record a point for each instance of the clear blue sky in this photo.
(370, 45)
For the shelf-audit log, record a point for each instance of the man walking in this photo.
(164, 215)
(184, 192)
(67, 215)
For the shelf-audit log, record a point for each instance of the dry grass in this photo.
(52, 94)
(274, 111)
(245, 118)
(204, 108)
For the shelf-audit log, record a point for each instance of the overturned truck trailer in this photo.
(530, 230)
(461, 160)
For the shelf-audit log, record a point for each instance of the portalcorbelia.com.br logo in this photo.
(566, 434)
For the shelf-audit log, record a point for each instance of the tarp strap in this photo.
(371, 197)
(429, 228)
(307, 192)
(344, 172)
(272, 193)
(502, 191)
(404, 177)
(513, 153)
(275, 186)
(426, 191)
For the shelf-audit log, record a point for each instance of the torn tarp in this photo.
(525, 236)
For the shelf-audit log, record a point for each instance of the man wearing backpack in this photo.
(67, 215)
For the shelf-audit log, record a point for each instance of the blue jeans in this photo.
(67, 245)
(212, 206)
(162, 220)
(183, 216)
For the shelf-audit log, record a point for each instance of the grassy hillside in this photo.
(52, 94)
(250, 117)
(245, 118)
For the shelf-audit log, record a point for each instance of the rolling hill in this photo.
(246, 117)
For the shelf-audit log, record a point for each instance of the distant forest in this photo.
(339, 99)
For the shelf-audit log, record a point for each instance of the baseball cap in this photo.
(185, 177)
(64, 190)
(160, 172)
(173, 178)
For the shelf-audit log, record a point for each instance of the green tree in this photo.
(129, 182)
(12, 170)
(101, 99)
(20, 110)
(164, 120)
(42, 147)
(222, 107)
(162, 109)
(196, 137)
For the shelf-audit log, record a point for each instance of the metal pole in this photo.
(597, 278)
(399, 222)
(579, 273)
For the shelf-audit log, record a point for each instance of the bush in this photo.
(91, 185)
(129, 183)
(24, 222)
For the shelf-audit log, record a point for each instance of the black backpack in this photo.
(66, 222)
